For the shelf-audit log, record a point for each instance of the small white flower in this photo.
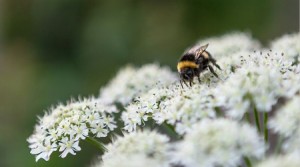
(94, 118)
(109, 122)
(44, 150)
(81, 131)
(131, 120)
(99, 130)
(218, 142)
(68, 146)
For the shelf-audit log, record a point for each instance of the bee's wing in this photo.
(200, 50)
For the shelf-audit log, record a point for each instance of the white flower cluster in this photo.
(287, 122)
(173, 105)
(219, 142)
(289, 160)
(289, 45)
(137, 149)
(131, 81)
(250, 80)
(65, 125)
(229, 44)
(260, 79)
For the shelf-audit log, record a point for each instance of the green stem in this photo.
(170, 130)
(247, 115)
(247, 161)
(278, 145)
(96, 143)
(257, 119)
(266, 127)
(219, 112)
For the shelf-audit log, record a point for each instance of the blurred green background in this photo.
(51, 50)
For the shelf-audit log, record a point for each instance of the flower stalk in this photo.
(266, 134)
(257, 119)
(247, 161)
(96, 143)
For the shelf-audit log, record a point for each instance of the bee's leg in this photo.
(181, 83)
(192, 78)
(214, 62)
(185, 83)
(198, 76)
(182, 80)
(217, 66)
(213, 71)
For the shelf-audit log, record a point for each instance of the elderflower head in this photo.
(286, 122)
(260, 79)
(173, 105)
(137, 149)
(65, 125)
(218, 142)
(130, 81)
(229, 44)
(247, 87)
(288, 160)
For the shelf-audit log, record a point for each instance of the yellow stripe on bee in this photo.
(184, 64)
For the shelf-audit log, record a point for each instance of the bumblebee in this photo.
(193, 62)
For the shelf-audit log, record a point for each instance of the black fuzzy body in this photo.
(203, 61)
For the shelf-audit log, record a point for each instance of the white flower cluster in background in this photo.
(289, 45)
(173, 105)
(131, 81)
(287, 122)
(229, 44)
(148, 149)
(219, 142)
(65, 125)
(289, 160)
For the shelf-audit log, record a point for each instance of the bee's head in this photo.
(187, 73)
